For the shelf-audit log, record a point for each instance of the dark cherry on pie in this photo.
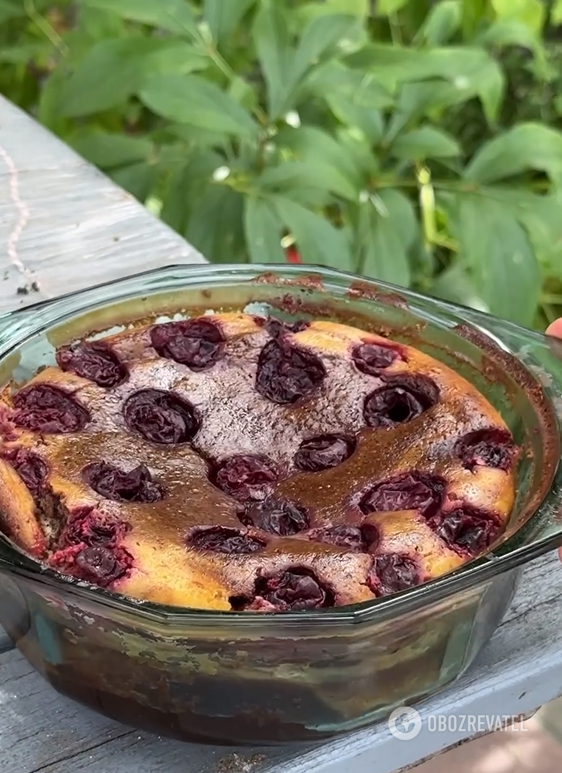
(231, 462)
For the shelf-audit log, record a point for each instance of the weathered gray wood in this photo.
(65, 225)
(518, 671)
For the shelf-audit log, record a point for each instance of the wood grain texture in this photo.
(518, 671)
(65, 225)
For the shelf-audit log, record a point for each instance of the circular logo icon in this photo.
(404, 723)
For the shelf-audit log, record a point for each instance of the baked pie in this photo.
(236, 462)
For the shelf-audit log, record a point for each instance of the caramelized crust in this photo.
(233, 462)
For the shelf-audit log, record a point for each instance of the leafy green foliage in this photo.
(413, 141)
(193, 101)
(487, 228)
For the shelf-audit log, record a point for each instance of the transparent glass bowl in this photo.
(229, 677)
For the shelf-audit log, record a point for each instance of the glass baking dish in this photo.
(246, 678)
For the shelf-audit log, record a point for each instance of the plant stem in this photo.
(220, 62)
(549, 312)
(554, 300)
(427, 206)
(439, 240)
(229, 73)
(395, 29)
(444, 185)
(43, 25)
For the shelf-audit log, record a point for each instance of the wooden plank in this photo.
(63, 224)
(518, 671)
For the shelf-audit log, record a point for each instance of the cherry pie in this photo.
(233, 462)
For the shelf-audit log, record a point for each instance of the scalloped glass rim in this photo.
(17, 326)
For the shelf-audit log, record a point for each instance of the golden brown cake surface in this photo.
(237, 462)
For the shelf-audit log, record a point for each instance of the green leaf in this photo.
(401, 210)
(49, 113)
(473, 12)
(355, 36)
(295, 177)
(429, 99)
(172, 15)
(318, 241)
(531, 13)
(499, 254)
(138, 179)
(216, 225)
(272, 41)
(318, 37)
(185, 186)
(192, 100)
(243, 93)
(170, 156)
(175, 56)
(105, 78)
(467, 69)
(558, 104)
(516, 197)
(329, 162)
(175, 207)
(359, 150)
(358, 8)
(426, 142)
(25, 53)
(300, 180)
(389, 226)
(389, 7)
(263, 231)
(202, 138)
(456, 286)
(541, 217)
(113, 70)
(223, 16)
(369, 121)
(354, 97)
(441, 23)
(509, 32)
(284, 67)
(288, 174)
(529, 146)
(556, 13)
(10, 9)
(414, 101)
(360, 88)
(110, 150)
(401, 64)
(98, 24)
